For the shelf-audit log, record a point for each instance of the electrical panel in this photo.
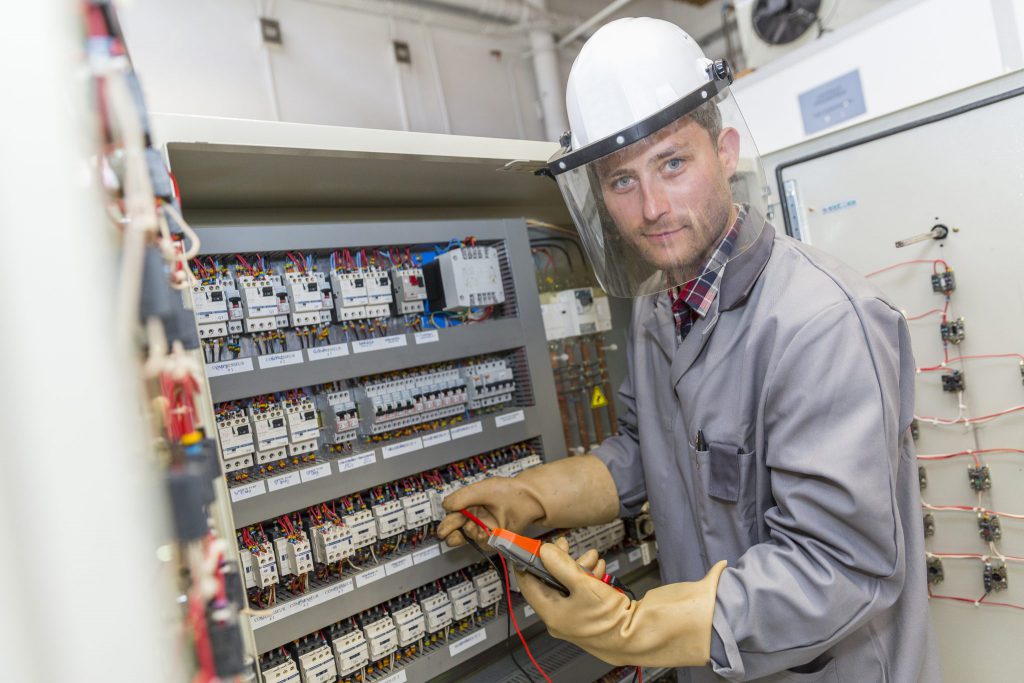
(928, 246)
(354, 386)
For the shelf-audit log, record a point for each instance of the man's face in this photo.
(670, 197)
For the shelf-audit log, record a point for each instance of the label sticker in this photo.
(438, 437)
(467, 642)
(402, 448)
(276, 360)
(635, 555)
(352, 462)
(509, 418)
(839, 206)
(395, 566)
(315, 472)
(612, 567)
(392, 342)
(369, 576)
(323, 352)
(395, 678)
(425, 554)
(258, 620)
(338, 589)
(646, 554)
(427, 337)
(229, 367)
(597, 399)
(252, 490)
(283, 481)
(467, 430)
(528, 611)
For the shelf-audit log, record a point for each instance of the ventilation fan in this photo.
(782, 21)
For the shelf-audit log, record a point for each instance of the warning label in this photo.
(597, 399)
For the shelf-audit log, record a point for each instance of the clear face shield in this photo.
(658, 202)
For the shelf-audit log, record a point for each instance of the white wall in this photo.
(908, 52)
(336, 67)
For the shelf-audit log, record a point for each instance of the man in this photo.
(768, 404)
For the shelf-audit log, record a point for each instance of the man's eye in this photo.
(674, 165)
(622, 182)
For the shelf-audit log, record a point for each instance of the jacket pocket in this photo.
(726, 499)
(827, 674)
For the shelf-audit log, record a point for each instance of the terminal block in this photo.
(488, 588)
(410, 624)
(929, 524)
(331, 542)
(438, 611)
(294, 554)
(989, 527)
(264, 565)
(995, 576)
(362, 294)
(235, 434)
(381, 638)
(953, 381)
(464, 278)
(410, 290)
(922, 477)
(390, 518)
(953, 331)
(417, 510)
(935, 572)
(303, 426)
(210, 303)
(362, 527)
(268, 420)
(979, 478)
(915, 430)
(944, 282)
(311, 299)
(285, 672)
(264, 301)
(316, 663)
(378, 289)
(351, 652)
(464, 600)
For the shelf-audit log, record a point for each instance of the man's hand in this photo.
(498, 502)
(670, 626)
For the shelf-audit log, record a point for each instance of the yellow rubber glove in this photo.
(570, 492)
(669, 627)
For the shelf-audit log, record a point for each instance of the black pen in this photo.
(701, 443)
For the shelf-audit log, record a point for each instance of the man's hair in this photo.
(708, 117)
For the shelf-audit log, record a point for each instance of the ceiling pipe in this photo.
(549, 81)
(609, 10)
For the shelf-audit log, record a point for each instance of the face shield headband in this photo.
(721, 77)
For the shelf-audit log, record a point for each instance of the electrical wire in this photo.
(508, 591)
(508, 613)
(933, 262)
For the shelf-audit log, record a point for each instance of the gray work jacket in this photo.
(802, 380)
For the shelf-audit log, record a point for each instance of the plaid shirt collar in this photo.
(694, 299)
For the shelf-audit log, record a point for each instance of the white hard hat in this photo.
(628, 70)
(660, 170)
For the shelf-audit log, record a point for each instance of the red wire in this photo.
(474, 518)
(907, 263)
(512, 613)
(979, 601)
